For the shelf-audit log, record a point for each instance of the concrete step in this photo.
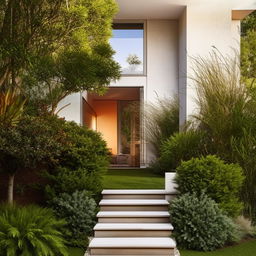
(133, 205)
(134, 194)
(132, 246)
(133, 229)
(133, 217)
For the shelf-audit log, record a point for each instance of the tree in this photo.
(33, 141)
(52, 48)
(133, 59)
(248, 49)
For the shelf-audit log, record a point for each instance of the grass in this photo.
(244, 249)
(75, 251)
(132, 179)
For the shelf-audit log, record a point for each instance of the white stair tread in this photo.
(133, 202)
(133, 226)
(132, 214)
(135, 192)
(132, 242)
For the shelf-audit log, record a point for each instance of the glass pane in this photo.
(129, 114)
(128, 45)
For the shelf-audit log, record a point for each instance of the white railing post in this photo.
(170, 185)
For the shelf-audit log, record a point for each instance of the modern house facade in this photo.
(154, 41)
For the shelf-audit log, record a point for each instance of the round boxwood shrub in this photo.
(83, 160)
(179, 147)
(221, 182)
(30, 231)
(79, 211)
(200, 224)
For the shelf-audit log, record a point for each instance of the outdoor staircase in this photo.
(133, 222)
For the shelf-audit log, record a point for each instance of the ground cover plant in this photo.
(30, 231)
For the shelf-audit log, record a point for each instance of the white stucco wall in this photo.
(207, 26)
(72, 112)
(183, 68)
(162, 59)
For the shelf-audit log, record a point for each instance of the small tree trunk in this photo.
(10, 189)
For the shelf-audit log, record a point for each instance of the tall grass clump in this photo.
(227, 112)
(161, 121)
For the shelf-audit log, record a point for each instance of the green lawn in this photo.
(75, 251)
(244, 249)
(132, 179)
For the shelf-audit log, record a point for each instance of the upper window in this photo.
(128, 43)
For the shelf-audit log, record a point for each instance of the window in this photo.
(128, 43)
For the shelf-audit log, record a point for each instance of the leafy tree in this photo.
(34, 141)
(248, 49)
(133, 59)
(52, 48)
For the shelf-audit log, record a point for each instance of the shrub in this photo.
(161, 121)
(200, 224)
(79, 211)
(180, 146)
(30, 231)
(82, 162)
(227, 113)
(68, 181)
(222, 182)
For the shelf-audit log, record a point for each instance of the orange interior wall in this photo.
(107, 122)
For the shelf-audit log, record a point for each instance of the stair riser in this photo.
(123, 251)
(134, 208)
(134, 220)
(133, 233)
(142, 197)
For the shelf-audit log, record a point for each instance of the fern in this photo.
(29, 231)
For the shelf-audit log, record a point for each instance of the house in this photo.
(154, 41)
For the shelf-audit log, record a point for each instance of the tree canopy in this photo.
(52, 48)
(248, 49)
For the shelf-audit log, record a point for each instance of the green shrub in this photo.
(30, 231)
(222, 182)
(79, 211)
(227, 113)
(200, 224)
(179, 147)
(68, 181)
(82, 162)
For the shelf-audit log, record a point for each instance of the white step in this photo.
(133, 205)
(134, 194)
(133, 217)
(132, 246)
(133, 229)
